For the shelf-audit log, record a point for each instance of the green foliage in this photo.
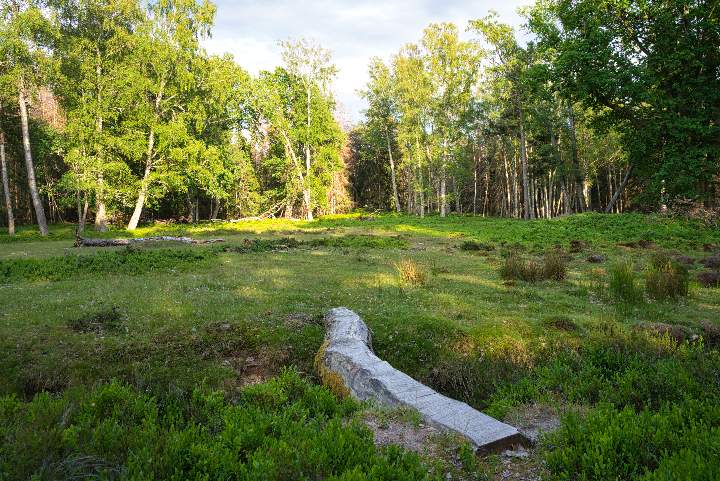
(124, 261)
(625, 370)
(648, 69)
(623, 283)
(283, 429)
(679, 441)
(665, 278)
(366, 241)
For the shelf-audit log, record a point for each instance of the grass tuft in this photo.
(623, 283)
(666, 279)
(411, 273)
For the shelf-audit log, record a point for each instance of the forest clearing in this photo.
(345, 240)
(163, 322)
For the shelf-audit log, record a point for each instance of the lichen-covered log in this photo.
(347, 363)
(84, 242)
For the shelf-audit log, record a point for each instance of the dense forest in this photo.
(112, 112)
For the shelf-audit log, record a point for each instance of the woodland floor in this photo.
(168, 318)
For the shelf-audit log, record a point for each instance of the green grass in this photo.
(164, 320)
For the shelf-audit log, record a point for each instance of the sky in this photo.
(354, 31)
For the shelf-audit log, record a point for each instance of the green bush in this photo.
(666, 278)
(131, 260)
(623, 284)
(637, 370)
(679, 441)
(365, 241)
(284, 429)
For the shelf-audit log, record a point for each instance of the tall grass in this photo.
(623, 284)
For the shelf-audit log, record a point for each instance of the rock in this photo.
(347, 363)
(517, 453)
(596, 259)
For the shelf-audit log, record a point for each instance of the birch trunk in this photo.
(577, 173)
(135, 219)
(306, 190)
(619, 191)
(32, 183)
(396, 199)
(101, 213)
(6, 186)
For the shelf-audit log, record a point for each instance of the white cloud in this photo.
(353, 31)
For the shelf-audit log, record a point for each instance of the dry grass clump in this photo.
(666, 279)
(411, 273)
(552, 267)
(517, 268)
(561, 323)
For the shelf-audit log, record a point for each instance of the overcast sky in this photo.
(353, 30)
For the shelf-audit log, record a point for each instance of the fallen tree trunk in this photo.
(83, 242)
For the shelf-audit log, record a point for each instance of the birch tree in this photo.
(25, 64)
(310, 63)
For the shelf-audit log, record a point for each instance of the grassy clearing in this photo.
(166, 320)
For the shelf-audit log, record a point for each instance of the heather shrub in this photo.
(666, 279)
(283, 429)
(554, 266)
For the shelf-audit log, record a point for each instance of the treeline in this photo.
(112, 111)
(609, 106)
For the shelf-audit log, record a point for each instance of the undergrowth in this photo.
(126, 261)
(653, 411)
(281, 430)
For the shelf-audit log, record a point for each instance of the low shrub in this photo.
(561, 323)
(636, 369)
(131, 260)
(107, 320)
(666, 279)
(623, 283)
(712, 262)
(709, 278)
(517, 268)
(679, 441)
(471, 245)
(554, 266)
(366, 241)
(411, 273)
(283, 429)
